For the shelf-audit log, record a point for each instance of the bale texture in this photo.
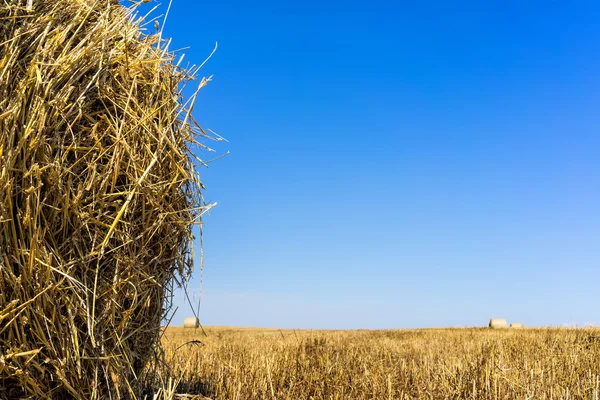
(98, 194)
(191, 322)
(497, 323)
(516, 325)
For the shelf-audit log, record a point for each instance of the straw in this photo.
(98, 194)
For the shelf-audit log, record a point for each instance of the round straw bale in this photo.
(497, 323)
(191, 322)
(516, 325)
(98, 194)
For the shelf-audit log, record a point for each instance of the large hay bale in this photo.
(191, 322)
(98, 194)
(497, 323)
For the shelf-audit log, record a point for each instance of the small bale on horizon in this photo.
(496, 323)
(191, 322)
(517, 325)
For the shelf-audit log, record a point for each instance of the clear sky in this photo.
(399, 164)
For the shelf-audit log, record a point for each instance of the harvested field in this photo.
(245, 363)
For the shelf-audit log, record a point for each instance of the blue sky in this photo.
(419, 164)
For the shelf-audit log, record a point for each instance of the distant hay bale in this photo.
(98, 194)
(497, 323)
(516, 325)
(191, 322)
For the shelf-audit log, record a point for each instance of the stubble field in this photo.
(246, 363)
